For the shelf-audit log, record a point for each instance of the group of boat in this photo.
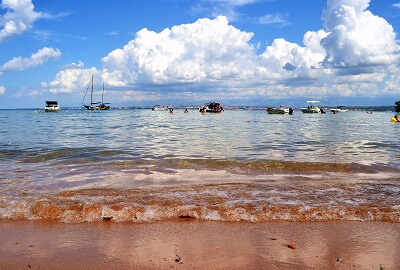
(211, 107)
(309, 109)
(315, 109)
(52, 106)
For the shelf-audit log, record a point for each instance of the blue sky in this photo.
(239, 52)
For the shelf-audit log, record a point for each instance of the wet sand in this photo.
(192, 244)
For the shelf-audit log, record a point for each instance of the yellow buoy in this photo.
(393, 119)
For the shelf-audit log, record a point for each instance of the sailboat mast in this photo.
(91, 95)
(102, 95)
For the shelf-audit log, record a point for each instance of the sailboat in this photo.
(95, 105)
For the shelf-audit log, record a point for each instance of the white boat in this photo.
(338, 109)
(312, 108)
(160, 108)
(94, 106)
(51, 106)
(281, 110)
(211, 107)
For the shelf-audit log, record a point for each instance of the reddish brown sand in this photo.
(190, 244)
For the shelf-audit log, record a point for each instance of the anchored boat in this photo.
(280, 110)
(211, 107)
(160, 108)
(338, 109)
(51, 106)
(95, 105)
(312, 108)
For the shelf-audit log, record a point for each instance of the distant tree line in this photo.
(397, 106)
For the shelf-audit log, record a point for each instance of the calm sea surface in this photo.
(141, 165)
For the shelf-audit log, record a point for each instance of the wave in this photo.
(222, 202)
(241, 166)
(129, 158)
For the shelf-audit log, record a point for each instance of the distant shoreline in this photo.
(228, 107)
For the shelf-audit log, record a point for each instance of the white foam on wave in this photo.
(212, 215)
(306, 201)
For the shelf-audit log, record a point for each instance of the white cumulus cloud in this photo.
(2, 90)
(207, 50)
(312, 40)
(212, 58)
(357, 38)
(70, 80)
(41, 56)
(19, 17)
(284, 60)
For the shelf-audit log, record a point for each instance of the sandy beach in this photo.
(192, 244)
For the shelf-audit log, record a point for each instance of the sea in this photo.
(139, 165)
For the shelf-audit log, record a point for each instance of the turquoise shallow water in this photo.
(351, 137)
(352, 156)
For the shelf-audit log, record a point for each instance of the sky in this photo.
(188, 52)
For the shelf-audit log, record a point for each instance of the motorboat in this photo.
(280, 110)
(94, 106)
(211, 107)
(51, 106)
(160, 108)
(338, 109)
(312, 108)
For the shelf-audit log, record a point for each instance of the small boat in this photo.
(94, 106)
(338, 109)
(211, 107)
(281, 110)
(160, 108)
(312, 108)
(51, 106)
